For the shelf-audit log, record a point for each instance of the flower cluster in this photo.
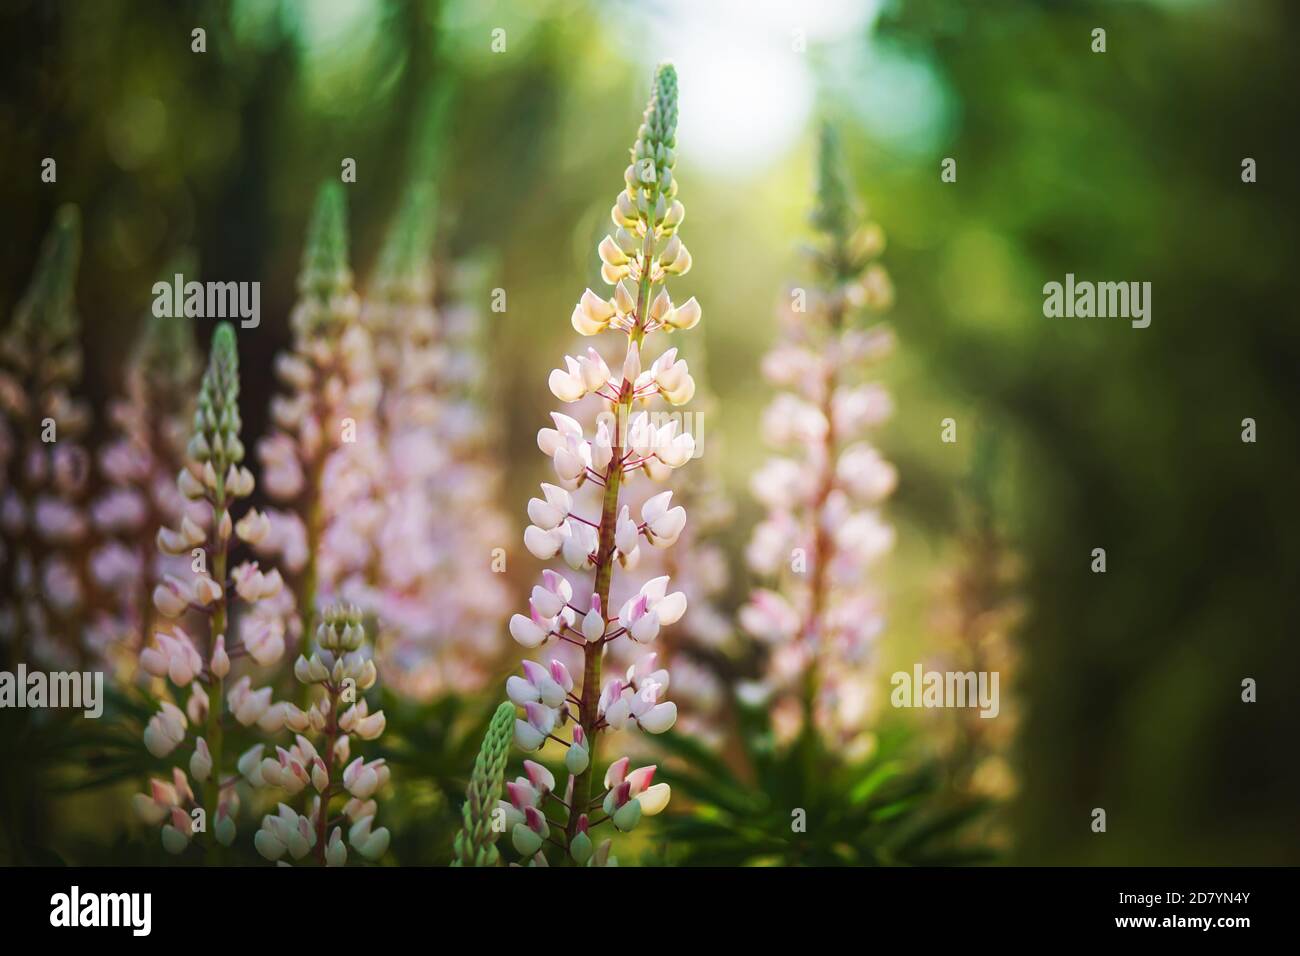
(823, 529)
(320, 462)
(641, 253)
(44, 469)
(213, 480)
(325, 769)
(439, 613)
(139, 465)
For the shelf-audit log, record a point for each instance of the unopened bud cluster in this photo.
(319, 766)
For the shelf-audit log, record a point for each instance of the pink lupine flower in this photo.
(319, 460)
(44, 522)
(824, 491)
(140, 464)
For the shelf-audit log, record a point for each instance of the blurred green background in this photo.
(1116, 166)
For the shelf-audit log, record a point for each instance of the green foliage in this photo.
(429, 746)
(475, 844)
(885, 810)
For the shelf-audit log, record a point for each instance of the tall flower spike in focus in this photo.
(823, 529)
(139, 466)
(320, 766)
(439, 613)
(44, 469)
(476, 842)
(318, 464)
(691, 555)
(214, 481)
(559, 707)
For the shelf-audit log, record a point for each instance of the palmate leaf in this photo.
(886, 810)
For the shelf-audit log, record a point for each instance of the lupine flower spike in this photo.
(318, 462)
(139, 466)
(44, 469)
(320, 765)
(476, 842)
(638, 257)
(213, 480)
(440, 628)
(823, 529)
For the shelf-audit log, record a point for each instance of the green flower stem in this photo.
(213, 733)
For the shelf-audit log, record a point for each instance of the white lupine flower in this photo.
(362, 779)
(675, 450)
(595, 373)
(593, 625)
(626, 534)
(247, 705)
(592, 314)
(541, 779)
(549, 439)
(547, 514)
(663, 524)
(579, 546)
(531, 631)
(568, 384)
(685, 316)
(571, 460)
(865, 473)
(544, 545)
(552, 595)
(602, 449)
(646, 669)
(165, 730)
(671, 375)
(539, 684)
(632, 363)
(173, 656)
(252, 585)
(653, 716)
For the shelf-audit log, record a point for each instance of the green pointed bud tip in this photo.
(224, 348)
(327, 237)
(833, 209)
(47, 305)
(408, 246)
